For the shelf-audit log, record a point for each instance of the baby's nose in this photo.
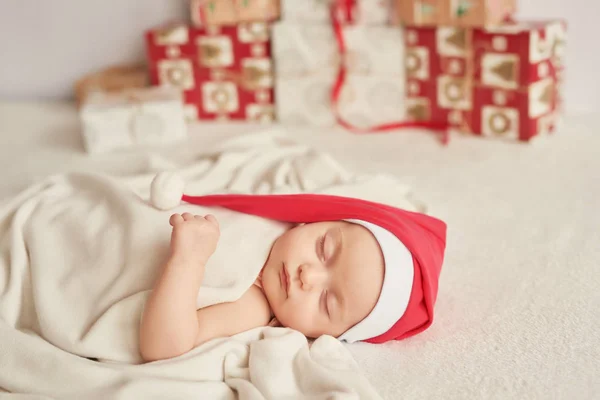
(312, 276)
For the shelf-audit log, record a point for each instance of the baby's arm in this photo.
(171, 325)
(228, 319)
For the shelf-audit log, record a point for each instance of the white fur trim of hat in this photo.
(395, 291)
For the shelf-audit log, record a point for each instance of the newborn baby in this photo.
(344, 277)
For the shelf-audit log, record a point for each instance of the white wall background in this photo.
(45, 45)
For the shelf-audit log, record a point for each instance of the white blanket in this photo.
(79, 253)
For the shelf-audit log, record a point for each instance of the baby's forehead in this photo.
(361, 245)
(364, 268)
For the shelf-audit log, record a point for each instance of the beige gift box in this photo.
(232, 12)
(464, 13)
(306, 61)
(348, 12)
(112, 79)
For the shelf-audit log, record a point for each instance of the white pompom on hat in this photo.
(167, 190)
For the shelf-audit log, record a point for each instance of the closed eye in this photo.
(324, 303)
(321, 248)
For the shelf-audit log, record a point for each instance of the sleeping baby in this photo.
(349, 268)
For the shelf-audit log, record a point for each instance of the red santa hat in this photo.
(412, 244)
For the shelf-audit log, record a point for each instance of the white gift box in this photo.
(306, 61)
(140, 117)
(361, 12)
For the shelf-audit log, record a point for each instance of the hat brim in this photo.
(395, 291)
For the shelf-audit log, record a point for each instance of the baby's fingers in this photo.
(175, 220)
(187, 216)
(211, 218)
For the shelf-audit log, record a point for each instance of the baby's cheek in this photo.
(297, 317)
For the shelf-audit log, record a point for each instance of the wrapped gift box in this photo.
(502, 82)
(225, 72)
(360, 12)
(307, 60)
(232, 12)
(137, 117)
(112, 79)
(464, 13)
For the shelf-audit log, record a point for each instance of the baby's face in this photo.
(323, 278)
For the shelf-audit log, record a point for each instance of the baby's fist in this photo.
(194, 238)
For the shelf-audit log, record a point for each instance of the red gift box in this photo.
(504, 81)
(225, 72)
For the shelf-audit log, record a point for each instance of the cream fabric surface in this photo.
(516, 316)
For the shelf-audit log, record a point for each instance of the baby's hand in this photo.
(194, 238)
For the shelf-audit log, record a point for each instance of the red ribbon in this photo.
(441, 127)
(344, 10)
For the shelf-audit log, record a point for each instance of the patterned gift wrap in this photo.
(502, 82)
(463, 13)
(232, 12)
(225, 72)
